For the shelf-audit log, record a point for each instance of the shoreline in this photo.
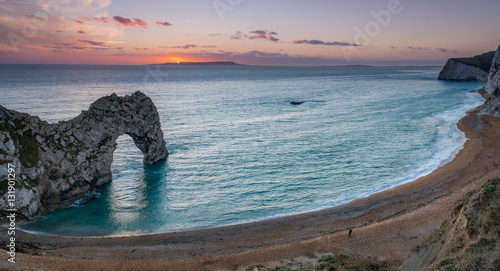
(413, 176)
(386, 224)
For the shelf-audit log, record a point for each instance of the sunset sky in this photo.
(257, 32)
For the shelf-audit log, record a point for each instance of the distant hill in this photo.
(214, 63)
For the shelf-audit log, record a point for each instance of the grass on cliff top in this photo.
(482, 61)
(336, 262)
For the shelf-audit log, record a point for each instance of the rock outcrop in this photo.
(494, 76)
(492, 105)
(56, 164)
(474, 68)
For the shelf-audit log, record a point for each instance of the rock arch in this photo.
(59, 163)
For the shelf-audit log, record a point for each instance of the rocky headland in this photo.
(492, 105)
(56, 164)
(474, 68)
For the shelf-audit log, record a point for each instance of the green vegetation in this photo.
(55, 175)
(29, 152)
(490, 186)
(337, 262)
(28, 149)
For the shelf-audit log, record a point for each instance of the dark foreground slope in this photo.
(469, 241)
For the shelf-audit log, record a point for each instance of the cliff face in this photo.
(469, 241)
(56, 164)
(492, 105)
(467, 69)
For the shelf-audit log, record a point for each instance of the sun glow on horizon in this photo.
(176, 59)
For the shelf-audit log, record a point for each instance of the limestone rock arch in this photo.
(59, 163)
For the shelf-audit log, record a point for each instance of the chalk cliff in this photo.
(474, 68)
(492, 105)
(59, 163)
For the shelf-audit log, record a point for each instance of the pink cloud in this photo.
(420, 49)
(264, 36)
(271, 38)
(81, 32)
(127, 22)
(236, 36)
(188, 46)
(83, 19)
(325, 43)
(101, 19)
(257, 34)
(94, 43)
(163, 23)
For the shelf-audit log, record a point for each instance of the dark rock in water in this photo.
(56, 164)
(474, 68)
(296, 103)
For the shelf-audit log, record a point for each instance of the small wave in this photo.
(86, 198)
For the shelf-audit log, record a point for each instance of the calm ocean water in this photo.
(239, 151)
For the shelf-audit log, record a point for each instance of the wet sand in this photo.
(388, 225)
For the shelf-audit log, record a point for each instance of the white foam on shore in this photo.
(449, 146)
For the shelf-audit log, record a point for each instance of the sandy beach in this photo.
(387, 225)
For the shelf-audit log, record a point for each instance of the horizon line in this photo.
(237, 64)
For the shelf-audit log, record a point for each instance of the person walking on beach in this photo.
(350, 232)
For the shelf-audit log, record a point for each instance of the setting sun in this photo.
(176, 59)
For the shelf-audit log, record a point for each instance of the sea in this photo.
(239, 150)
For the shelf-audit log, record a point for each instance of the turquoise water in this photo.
(239, 151)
